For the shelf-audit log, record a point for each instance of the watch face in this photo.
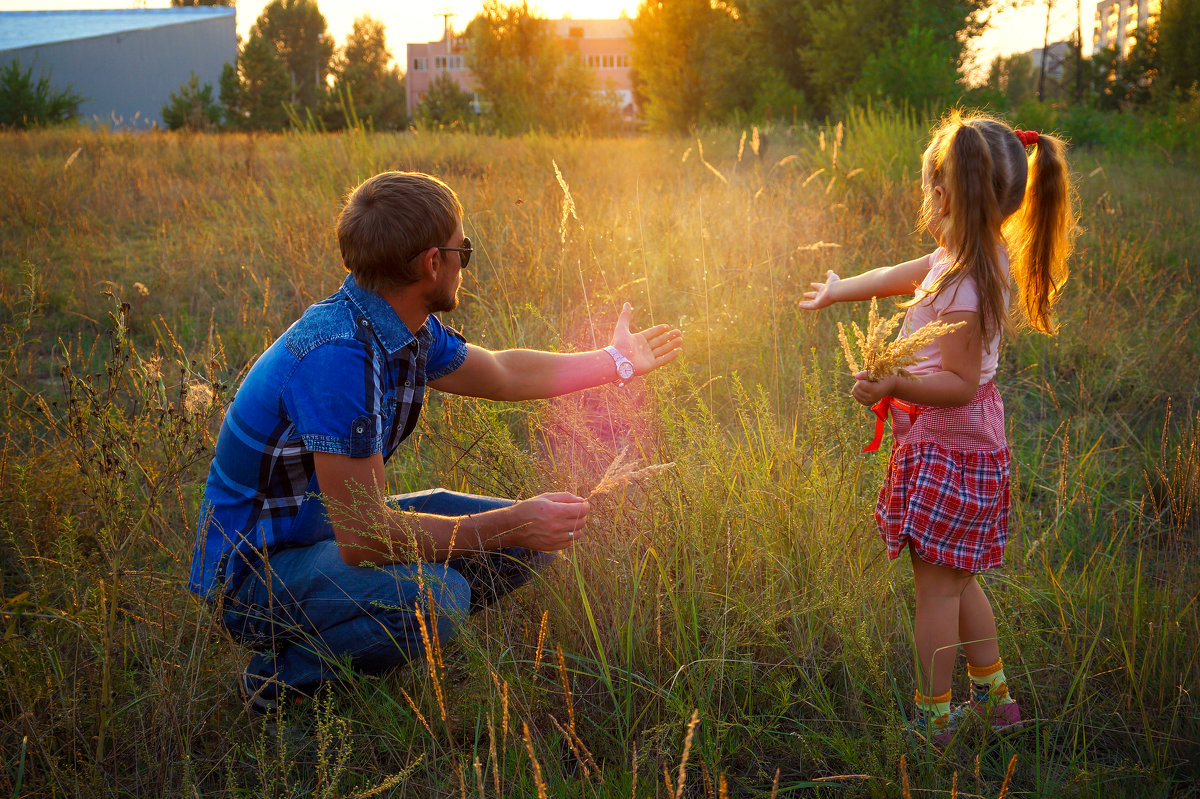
(625, 370)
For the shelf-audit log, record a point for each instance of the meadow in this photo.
(732, 626)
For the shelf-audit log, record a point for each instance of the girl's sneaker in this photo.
(939, 732)
(999, 717)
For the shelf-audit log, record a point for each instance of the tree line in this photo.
(694, 63)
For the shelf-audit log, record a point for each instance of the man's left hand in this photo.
(651, 348)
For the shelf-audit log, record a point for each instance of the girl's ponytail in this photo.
(968, 169)
(1044, 231)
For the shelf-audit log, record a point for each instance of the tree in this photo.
(526, 78)
(364, 83)
(1179, 43)
(689, 55)
(446, 103)
(25, 102)
(917, 68)
(192, 108)
(256, 88)
(874, 48)
(297, 31)
(1012, 77)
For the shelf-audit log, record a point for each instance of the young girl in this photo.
(946, 493)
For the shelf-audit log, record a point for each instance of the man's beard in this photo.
(444, 302)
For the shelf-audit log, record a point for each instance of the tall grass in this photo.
(142, 275)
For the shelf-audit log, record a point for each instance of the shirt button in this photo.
(358, 429)
(364, 322)
(408, 383)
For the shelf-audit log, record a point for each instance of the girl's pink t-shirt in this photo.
(962, 296)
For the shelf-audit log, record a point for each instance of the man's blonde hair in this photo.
(389, 220)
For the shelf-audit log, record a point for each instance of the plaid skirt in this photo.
(949, 505)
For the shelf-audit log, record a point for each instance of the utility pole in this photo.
(1045, 54)
(446, 14)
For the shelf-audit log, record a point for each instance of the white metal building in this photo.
(126, 61)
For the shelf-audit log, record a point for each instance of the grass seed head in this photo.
(882, 355)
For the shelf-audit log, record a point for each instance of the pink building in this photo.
(603, 44)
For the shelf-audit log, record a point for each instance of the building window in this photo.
(418, 64)
(439, 62)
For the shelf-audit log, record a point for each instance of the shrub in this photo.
(26, 103)
(192, 108)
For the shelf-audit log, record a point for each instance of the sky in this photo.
(420, 21)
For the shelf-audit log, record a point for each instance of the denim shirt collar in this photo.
(391, 331)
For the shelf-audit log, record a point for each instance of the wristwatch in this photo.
(624, 365)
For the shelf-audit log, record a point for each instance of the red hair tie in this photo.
(1027, 137)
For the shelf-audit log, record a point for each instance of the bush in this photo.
(27, 103)
(193, 108)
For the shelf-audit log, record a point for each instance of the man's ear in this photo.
(428, 264)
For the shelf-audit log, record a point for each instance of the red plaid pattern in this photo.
(949, 502)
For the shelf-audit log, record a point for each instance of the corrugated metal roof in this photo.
(29, 28)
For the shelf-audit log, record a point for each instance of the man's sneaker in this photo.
(259, 694)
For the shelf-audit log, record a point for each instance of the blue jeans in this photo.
(309, 614)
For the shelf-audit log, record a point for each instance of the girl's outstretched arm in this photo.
(886, 281)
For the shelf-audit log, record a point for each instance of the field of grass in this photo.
(731, 626)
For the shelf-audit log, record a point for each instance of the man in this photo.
(308, 561)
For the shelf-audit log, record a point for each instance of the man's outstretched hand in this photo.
(651, 348)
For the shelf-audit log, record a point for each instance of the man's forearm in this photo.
(409, 537)
(540, 375)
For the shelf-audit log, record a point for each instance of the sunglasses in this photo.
(463, 251)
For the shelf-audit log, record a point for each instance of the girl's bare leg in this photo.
(939, 591)
(977, 626)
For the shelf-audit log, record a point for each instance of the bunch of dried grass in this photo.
(623, 470)
(882, 357)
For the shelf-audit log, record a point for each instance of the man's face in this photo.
(445, 296)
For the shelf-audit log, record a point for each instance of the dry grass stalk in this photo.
(722, 787)
(492, 753)
(566, 684)
(775, 784)
(568, 204)
(537, 767)
(687, 748)
(623, 470)
(1008, 775)
(537, 654)
(708, 783)
(502, 688)
(904, 791)
(882, 357)
(431, 660)
(571, 741)
(479, 778)
(954, 785)
(633, 768)
(417, 710)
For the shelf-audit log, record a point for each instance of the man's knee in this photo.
(446, 503)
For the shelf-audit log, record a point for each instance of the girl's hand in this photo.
(821, 294)
(868, 392)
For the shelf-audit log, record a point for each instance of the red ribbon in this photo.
(1027, 137)
(881, 410)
